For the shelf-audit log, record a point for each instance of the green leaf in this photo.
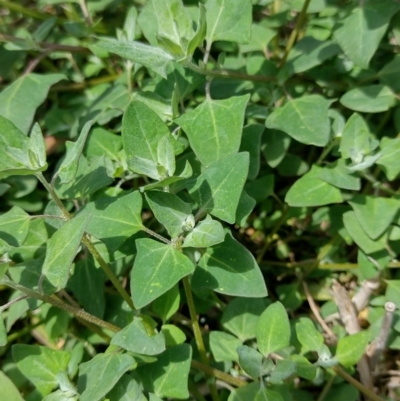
(102, 142)
(356, 141)
(393, 292)
(223, 346)
(251, 142)
(87, 284)
(167, 304)
(40, 365)
(150, 57)
(168, 377)
(305, 369)
(273, 329)
(337, 174)
(358, 235)
(310, 190)
(142, 131)
(374, 214)
(218, 189)
(390, 157)
(360, 33)
(8, 389)
(61, 250)
(37, 148)
(351, 348)
(244, 209)
(14, 226)
(309, 337)
(69, 166)
(127, 389)
(137, 338)
(215, 127)
(284, 369)
(99, 375)
(170, 210)
(207, 233)
(308, 53)
(229, 268)
(228, 20)
(93, 174)
(304, 119)
(369, 99)
(113, 220)
(200, 33)
(251, 361)
(157, 268)
(241, 315)
(274, 146)
(173, 335)
(19, 101)
(260, 37)
(390, 74)
(3, 334)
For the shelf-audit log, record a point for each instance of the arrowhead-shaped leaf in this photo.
(229, 20)
(40, 365)
(113, 220)
(151, 57)
(170, 210)
(14, 226)
(168, 376)
(136, 338)
(350, 349)
(273, 329)
(215, 127)
(310, 190)
(374, 214)
(208, 232)
(157, 268)
(358, 36)
(390, 157)
(304, 119)
(229, 268)
(19, 101)
(218, 189)
(61, 251)
(99, 375)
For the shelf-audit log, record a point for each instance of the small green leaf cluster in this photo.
(207, 207)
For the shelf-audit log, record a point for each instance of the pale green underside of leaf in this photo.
(19, 101)
(61, 250)
(151, 57)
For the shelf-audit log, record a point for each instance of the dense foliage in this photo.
(200, 200)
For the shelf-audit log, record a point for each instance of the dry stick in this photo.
(197, 333)
(349, 318)
(316, 313)
(375, 349)
(295, 32)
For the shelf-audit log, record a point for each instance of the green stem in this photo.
(53, 300)
(197, 333)
(14, 336)
(360, 387)
(155, 235)
(218, 374)
(107, 270)
(326, 388)
(228, 74)
(326, 151)
(295, 32)
(89, 245)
